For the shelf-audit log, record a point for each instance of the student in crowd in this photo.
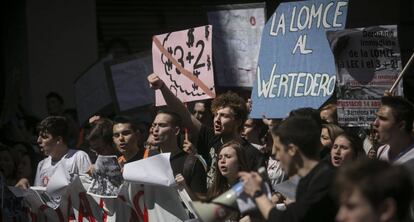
(126, 137)
(254, 131)
(329, 113)
(26, 160)
(308, 112)
(229, 111)
(201, 110)
(297, 142)
(231, 161)
(165, 131)
(74, 127)
(373, 191)
(393, 126)
(52, 140)
(7, 165)
(346, 148)
(100, 137)
(328, 134)
(26, 166)
(55, 104)
(19, 148)
(315, 115)
(249, 104)
(274, 168)
(370, 143)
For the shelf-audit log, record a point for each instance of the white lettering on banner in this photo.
(301, 44)
(295, 84)
(338, 12)
(304, 18)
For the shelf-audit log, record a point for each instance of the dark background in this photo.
(46, 44)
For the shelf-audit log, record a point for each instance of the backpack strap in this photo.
(188, 168)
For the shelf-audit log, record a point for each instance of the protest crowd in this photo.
(224, 157)
(373, 175)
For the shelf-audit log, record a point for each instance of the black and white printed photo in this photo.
(106, 177)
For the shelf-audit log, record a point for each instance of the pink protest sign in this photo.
(183, 60)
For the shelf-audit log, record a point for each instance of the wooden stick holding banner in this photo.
(402, 74)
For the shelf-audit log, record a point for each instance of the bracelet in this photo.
(257, 194)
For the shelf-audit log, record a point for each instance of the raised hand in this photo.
(155, 81)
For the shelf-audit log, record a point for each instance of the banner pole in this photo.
(401, 74)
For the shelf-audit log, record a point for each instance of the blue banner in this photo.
(296, 65)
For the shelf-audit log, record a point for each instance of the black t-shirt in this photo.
(313, 199)
(208, 145)
(196, 180)
(138, 156)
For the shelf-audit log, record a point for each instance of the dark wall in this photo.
(127, 26)
(13, 58)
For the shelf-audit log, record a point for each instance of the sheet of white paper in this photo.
(155, 170)
(38, 188)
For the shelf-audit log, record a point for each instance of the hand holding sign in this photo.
(155, 81)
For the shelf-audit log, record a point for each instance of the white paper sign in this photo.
(236, 42)
(155, 170)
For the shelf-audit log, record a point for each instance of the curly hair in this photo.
(233, 101)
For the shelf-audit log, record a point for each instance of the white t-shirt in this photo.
(74, 161)
(405, 157)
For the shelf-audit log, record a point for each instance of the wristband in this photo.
(257, 194)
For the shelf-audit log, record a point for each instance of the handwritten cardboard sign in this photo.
(296, 66)
(183, 60)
